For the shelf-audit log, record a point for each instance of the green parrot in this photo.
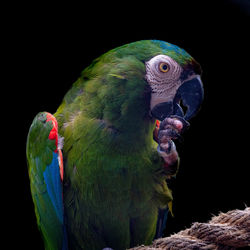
(98, 166)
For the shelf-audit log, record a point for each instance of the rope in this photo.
(227, 231)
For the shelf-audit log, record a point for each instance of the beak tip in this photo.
(191, 93)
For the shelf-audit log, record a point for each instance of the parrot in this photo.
(99, 166)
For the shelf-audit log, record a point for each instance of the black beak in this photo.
(190, 93)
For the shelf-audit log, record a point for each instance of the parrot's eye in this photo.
(164, 67)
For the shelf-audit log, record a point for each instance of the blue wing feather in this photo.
(161, 222)
(54, 186)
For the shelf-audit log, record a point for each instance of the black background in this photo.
(49, 46)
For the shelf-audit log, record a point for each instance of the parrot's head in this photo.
(144, 79)
(174, 78)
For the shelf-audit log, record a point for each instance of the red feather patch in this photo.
(53, 135)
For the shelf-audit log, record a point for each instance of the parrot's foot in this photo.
(170, 129)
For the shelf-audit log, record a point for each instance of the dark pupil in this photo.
(164, 67)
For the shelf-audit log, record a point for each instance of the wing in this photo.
(45, 173)
(161, 222)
